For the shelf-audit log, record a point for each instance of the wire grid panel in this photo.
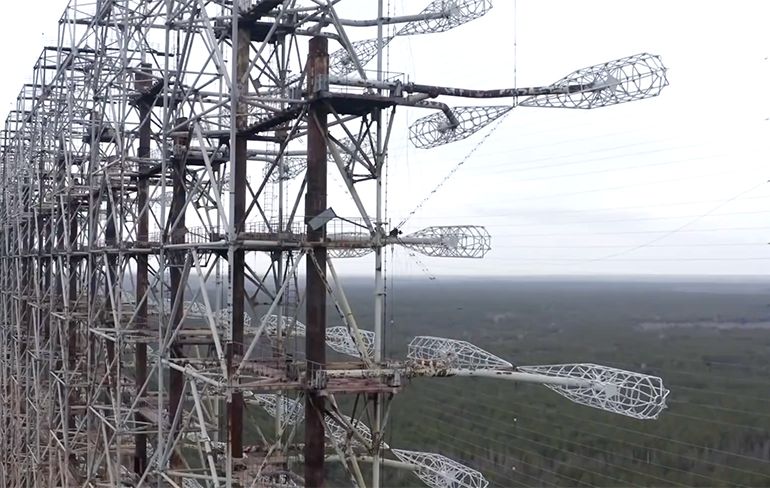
(294, 413)
(622, 80)
(456, 13)
(193, 310)
(454, 353)
(341, 62)
(289, 325)
(292, 167)
(436, 129)
(223, 321)
(348, 252)
(198, 438)
(615, 390)
(341, 339)
(439, 471)
(341, 435)
(277, 480)
(293, 410)
(350, 244)
(456, 241)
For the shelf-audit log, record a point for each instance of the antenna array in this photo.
(164, 193)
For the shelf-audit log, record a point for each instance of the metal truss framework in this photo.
(154, 223)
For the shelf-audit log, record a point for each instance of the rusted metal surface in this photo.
(143, 81)
(238, 185)
(435, 91)
(177, 232)
(125, 176)
(315, 203)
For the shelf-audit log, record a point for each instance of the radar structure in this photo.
(170, 288)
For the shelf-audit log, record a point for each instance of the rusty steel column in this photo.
(67, 229)
(72, 326)
(177, 233)
(315, 289)
(143, 83)
(111, 242)
(238, 175)
(45, 232)
(25, 249)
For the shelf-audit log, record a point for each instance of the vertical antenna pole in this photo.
(176, 258)
(238, 176)
(231, 234)
(379, 285)
(143, 82)
(315, 203)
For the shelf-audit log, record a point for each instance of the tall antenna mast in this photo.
(165, 150)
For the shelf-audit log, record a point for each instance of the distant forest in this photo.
(710, 342)
(716, 431)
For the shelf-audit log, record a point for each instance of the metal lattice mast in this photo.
(151, 302)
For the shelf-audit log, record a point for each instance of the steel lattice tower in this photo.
(164, 186)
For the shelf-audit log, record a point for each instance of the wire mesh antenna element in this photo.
(436, 129)
(341, 62)
(347, 252)
(451, 173)
(623, 80)
(198, 438)
(338, 338)
(454, 353)
(439, 16)
(289, 325)
(292, 167)
(455, 241)
(195, 232)
(613, 390)
(455, 13)
(222, 318)
(449, 241)
(293, 411)
(435, 470)
(627, 393)
(340, 434)
(276, 480)
(439, 471)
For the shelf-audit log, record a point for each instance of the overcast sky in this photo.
(671, 185)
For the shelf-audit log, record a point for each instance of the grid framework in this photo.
(166, 224)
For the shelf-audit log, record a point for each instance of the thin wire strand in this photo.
(639, 232)
(464, 440)
(461, 417)
(514, 168)
(457, 427)
(453, 448)
(646, 206)
(504, 426)
(454, 170)
(580, 420)
(515, 49)
(623, 220)
(681, 227)
(633, 185)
